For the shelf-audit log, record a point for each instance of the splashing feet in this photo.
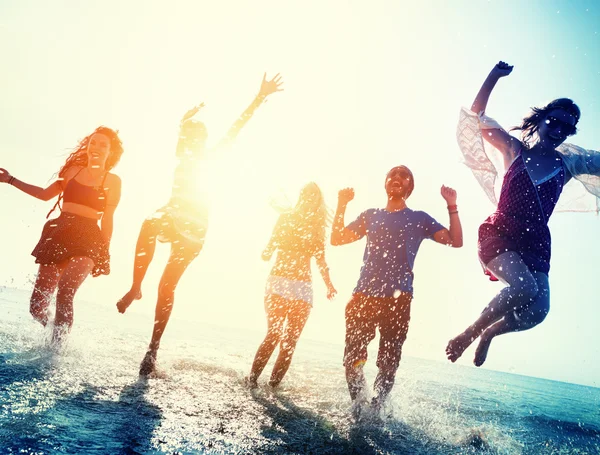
(250, 383)
(148, 365)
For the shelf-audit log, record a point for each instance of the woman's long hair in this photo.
(79, 157)
(310, 216)
(530, 125)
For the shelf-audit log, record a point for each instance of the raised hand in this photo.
(345, 195)
(448, 194)
(193, 111)
(4, 176)
(272, 86)
(502, 69)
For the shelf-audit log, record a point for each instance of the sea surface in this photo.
(86, 398)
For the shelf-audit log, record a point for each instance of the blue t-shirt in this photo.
(393, 239)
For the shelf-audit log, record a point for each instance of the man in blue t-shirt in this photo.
(382, 296)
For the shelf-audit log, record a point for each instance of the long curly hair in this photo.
(531, 124)
(79, 157)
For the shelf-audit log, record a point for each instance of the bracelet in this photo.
(452, 213)
(452, 207)
(11, 179)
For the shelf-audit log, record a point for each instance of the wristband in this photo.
(452, 207)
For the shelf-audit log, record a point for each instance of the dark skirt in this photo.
(533, 249)
(70, 236)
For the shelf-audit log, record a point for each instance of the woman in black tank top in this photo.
(182, 222)
(73, 245)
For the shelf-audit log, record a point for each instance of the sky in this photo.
(368, 86)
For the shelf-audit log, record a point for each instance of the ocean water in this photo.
(87, 398)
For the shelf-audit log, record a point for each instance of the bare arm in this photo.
(498, 137)
(112, 201)
(340, 235)
(452, 236)
(44, 194)
(324, 271)
(502, 69)
(266, 88)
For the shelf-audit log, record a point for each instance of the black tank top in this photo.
(90, 196)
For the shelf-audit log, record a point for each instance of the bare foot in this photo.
(59, 334)
(359, 409)
(148, 365)
(127, 299)
(377, 405)
(482, 349)
(250, 383)
(456, 346)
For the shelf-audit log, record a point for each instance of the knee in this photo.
(37, 298)
(166, 291)
(354, 370)
(533, 315)
(150, 228)
(388, 365)
(288, 344)
(539, 315)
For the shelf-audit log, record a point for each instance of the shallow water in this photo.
(87, 398)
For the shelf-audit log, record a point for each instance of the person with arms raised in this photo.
(514, 241)
(382, 297)
(183, 221)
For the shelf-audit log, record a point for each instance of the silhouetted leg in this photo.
(393, 328)
(360, 331)
(277, 309)
(144, 252)
(46, 283)
(296, 320)
(520, 290)
(73, 276)
(182, 255)
(523, 318)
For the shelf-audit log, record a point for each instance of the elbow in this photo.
(457, 243)
(335, 240)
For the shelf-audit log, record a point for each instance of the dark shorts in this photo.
(535, 257)
(364, 315)
(70, 236)
(493, 247)
(177, 225)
